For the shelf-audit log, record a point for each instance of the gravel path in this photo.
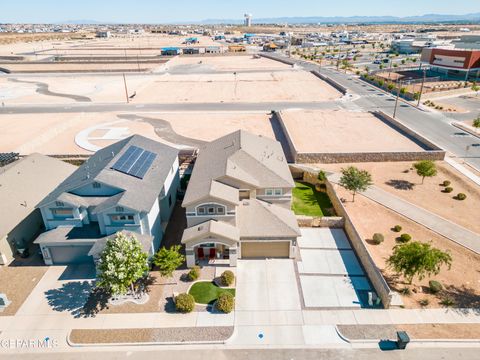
(158, 335)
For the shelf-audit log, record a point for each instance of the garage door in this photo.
(70, 254)
(277, 249)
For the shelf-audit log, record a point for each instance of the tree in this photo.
(322, 176)
(355, 180)
(168, 260)
(476, 123)
(475, 87)
(425, 168)
(122, 263)
(418, 259)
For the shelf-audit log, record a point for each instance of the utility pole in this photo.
(126, 90)
(421, 88)
(396, 100)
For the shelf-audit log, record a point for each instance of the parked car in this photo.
(377, 61)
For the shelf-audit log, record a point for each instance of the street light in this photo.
(396, 100)
(421, 88)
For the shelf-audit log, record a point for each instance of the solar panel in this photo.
(135, 161)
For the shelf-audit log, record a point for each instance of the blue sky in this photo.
(158, 11)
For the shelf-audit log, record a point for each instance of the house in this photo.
(23, 183)
(171, 51)
(128, 186)
(238, 201)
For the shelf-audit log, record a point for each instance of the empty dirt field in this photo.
(83, 133)
(331, 131)
(399, 179)
(226, 63)
(461, 283)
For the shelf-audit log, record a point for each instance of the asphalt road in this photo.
(436, 353)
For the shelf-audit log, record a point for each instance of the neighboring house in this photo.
(238, 201)
(128, 186)
(23, 184)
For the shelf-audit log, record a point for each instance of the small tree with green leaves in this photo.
(168, 260)
(355, 180)
(475, 87)
(418, 259)
(122, 263)
(476, 123)
(425, 168)
(322, 176)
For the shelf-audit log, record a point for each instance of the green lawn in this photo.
(308, 201)
(206, 292)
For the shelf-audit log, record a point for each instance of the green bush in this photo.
(405, 291)
(194, 273)
(226, 302)
(377, 238)
(446, 183)
(424, 302)
(184, 303)
(448, 189)
(434, 286)
(461, 196)
(447, 301)
(227, 278)
(397, 228)
(405, 238)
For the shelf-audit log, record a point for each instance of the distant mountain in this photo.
(82, 22)
(427, 18)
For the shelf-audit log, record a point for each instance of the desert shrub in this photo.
(461, 196)
(226, 302)
(447, 301)
(434, 286)
(397, 228)
(405, 291)
(448, 189)
(184, 303)
(227, 278)
(405, 238)
(194, 273)
(424, 302)
(377, 238)
(446, 183)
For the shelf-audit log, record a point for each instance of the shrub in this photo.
(405, 238)
(227, 278)
(461, 196)
(226, 302)
(397, 228)
(448, 189)
(434, 286)
(424, 302)
(447, 301)
(405, 291)
(377, 238)
(184, 303)
(446, 183)
(194, 273)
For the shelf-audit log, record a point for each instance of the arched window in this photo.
(210, 210)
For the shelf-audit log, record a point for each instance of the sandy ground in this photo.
(243, 87)
(85, 67)
(391, 177)
(343, 131)
(229, 63)
(55, 133)
(462, 282)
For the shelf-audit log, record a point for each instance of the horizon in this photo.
(150, 12)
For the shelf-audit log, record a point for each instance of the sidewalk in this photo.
(463, 170)
(442, 226)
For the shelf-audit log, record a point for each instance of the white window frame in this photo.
(204, 209)
(269, 192)
(278, 191)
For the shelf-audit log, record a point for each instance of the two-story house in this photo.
(128, 186)
(238, 201)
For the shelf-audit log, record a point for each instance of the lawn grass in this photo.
(308, 201)
(206, 292)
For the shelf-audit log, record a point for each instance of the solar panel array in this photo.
(135, 162)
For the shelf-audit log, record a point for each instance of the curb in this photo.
(464, 128)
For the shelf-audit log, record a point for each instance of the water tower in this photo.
(248, 20)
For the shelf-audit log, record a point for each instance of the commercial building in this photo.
(23, 184)
(128, 186)
(238, 201)
(468, 42)
(464, 64)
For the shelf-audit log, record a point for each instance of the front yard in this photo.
(205, 292)
(310, 202)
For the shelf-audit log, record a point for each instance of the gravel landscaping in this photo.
(155, 335)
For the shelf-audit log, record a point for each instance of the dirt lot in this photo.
(227, 63)
(343, 131)
(461, 283)
(392, 177)
(18, 282)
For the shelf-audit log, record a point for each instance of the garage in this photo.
(73, 254)
(265, 249)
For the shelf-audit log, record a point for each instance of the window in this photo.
(211, 210)
(62, 213)
(59, 203)
(269, 192)
(119, 209)
(220, 210)
(124, 219)
(278, 192)
(201, 210)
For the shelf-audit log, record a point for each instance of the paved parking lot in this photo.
(329, 271)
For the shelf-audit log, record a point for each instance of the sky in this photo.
(162, 11)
